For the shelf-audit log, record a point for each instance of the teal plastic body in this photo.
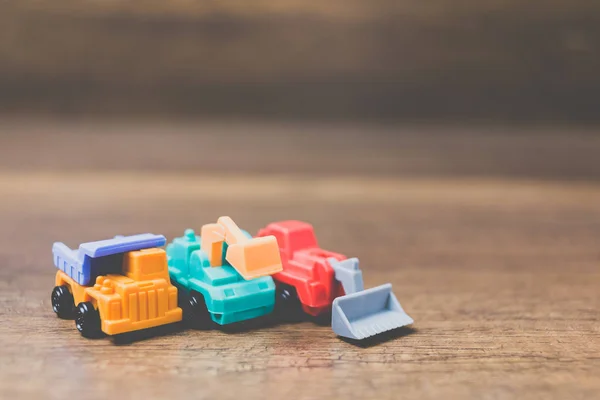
(229, 298)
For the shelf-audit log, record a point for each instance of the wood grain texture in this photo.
(500, 273)
(301, 148)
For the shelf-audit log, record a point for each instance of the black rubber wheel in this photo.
(195, 311)
(87, 320)
(62, 302)
(323, 319)
(287, 304)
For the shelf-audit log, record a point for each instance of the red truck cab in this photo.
(306, 270)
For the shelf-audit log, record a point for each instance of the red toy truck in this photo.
(329, 286)
(307, 282)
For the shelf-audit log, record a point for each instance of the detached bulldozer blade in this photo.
(363, 313)
(368, 313)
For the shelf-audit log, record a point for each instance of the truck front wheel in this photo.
(87, 320)
(62, 302)
(196, 313)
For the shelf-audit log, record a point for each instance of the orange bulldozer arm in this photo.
(252, 258)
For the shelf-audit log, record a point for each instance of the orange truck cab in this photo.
(115, 286)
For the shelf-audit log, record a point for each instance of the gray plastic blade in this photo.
(368, 313)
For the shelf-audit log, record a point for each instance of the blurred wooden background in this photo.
(459, 59)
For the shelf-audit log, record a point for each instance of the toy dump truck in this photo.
(115, 286)
(220, 274)
(320, 282)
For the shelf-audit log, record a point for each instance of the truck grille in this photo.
(148, 304)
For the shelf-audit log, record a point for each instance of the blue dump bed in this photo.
(100, 257)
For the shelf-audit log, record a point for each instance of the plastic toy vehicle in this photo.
(115, 286)
(217, 292)
(320, 282)
(307, 281)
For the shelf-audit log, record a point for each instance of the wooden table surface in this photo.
(490, 243)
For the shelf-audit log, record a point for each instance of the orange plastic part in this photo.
(141, 298)
(252, 258)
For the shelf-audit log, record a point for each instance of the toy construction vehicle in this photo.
(320, 282)
(115, 286)
(223, 275)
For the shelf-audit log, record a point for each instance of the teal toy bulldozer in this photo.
(210, 295)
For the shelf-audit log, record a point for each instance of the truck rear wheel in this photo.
(87, 320)
(287, 304)
(62, 302)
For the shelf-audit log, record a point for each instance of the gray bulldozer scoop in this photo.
(363, 313)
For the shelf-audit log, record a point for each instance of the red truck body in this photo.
(305, 265)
